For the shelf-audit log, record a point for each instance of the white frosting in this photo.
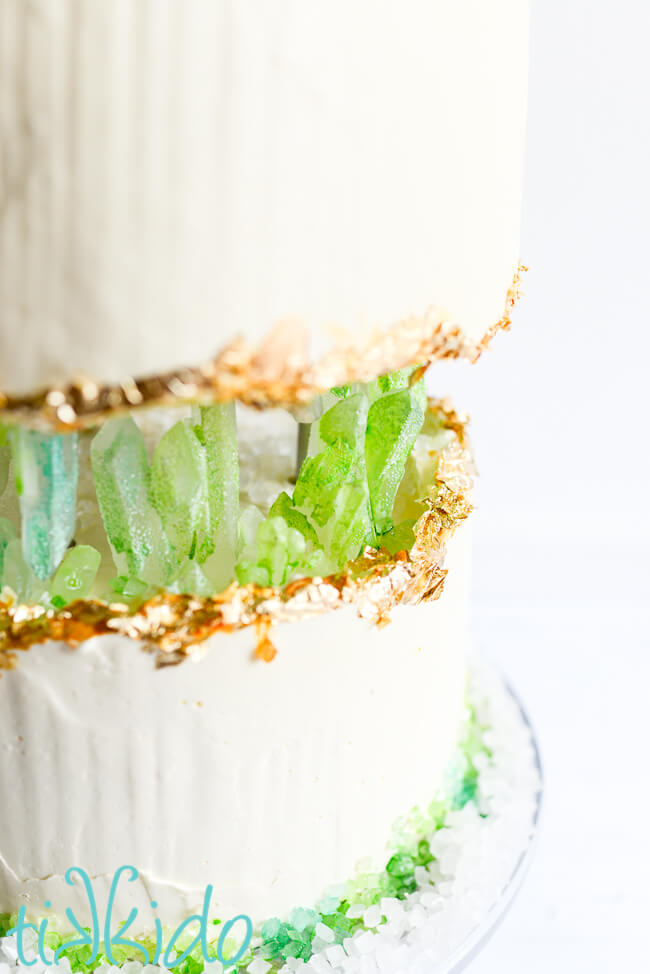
(174, 174)
(269, 780)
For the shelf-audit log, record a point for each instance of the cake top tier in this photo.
(181, 174)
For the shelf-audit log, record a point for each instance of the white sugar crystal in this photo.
(319, 964)
(356, 911)
(416, 917)
(364, 941)
(391, 906)
(335, 955)
(372, 916)
(368, 964)
(324, 932)
(258, 966)
(422, 877)
(349, 947)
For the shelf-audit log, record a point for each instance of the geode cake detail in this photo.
(381, 564)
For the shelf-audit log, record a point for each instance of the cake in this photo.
(234, 237)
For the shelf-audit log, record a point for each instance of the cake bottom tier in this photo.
(453, 869)
(269, 781)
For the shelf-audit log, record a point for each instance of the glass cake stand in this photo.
(470, 947)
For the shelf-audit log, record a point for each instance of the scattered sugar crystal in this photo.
(302, 918)
(335, 955)
(355, 911)
(364, 942)
(324, 932)
(367, 964)
(372, 916)
(349, 947)
(390, 906)
(319, 964)
(421, 875)
(259, 966)
(132, 967)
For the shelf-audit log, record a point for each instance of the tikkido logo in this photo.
(92, 936)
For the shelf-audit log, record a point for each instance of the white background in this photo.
(560, 410)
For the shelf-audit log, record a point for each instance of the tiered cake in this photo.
(244, 628)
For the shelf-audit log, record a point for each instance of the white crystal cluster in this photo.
(480, 855)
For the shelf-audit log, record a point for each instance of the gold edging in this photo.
(174, 626)
(275, 375)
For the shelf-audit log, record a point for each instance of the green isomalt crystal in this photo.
(179, 490)
(190, 579)
(390, 382)
(7, 534)
(400, 537)
(130, 588)
(5, 458)
(394, 422)
(278, 552)
(18, 576)
(75, 575)
(283, 507)
(123, 485)
(46, 472)
(216, 428)
(276, 548)
(332, 490)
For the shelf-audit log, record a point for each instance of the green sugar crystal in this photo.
(216, 428)
(302, 919)
(394, 422)
(7, 534)
(75, 575)
(123, 485)
(46, 471)
(179, 488)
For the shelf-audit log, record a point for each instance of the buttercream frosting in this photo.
(174, 175)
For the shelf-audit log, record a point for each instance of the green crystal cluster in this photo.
(346, 487)
(173, 522)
